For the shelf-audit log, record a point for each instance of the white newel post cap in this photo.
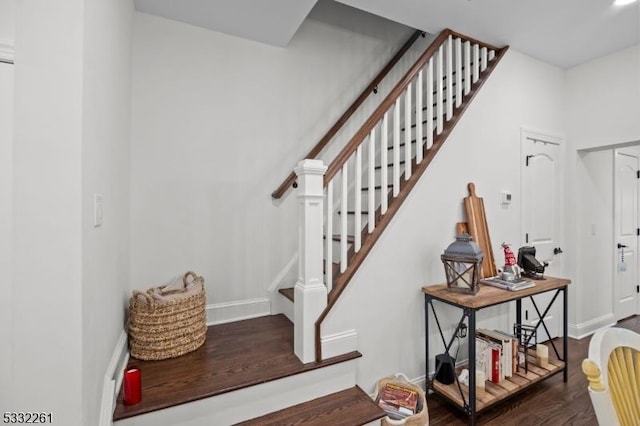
(310, 173)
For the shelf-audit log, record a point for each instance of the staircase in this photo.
(367, 182)
(343, 210)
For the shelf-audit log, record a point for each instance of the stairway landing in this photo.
(235, 356)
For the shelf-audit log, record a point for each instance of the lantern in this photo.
(462, 265)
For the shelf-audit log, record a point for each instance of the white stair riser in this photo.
(254, 401)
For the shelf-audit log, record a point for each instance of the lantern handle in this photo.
(472, 189)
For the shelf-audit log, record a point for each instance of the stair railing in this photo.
(427, 102)
(371, 88)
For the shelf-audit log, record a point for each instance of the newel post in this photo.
(310, 291)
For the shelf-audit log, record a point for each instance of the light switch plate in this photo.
(97, 210)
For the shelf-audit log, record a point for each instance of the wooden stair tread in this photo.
(389, 186)
(390, 165)
(287, 292)
(348, 407)
(235, 355)
(338, 237)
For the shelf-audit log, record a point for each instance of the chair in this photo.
(614, 390)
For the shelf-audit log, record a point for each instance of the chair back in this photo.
(615, 389)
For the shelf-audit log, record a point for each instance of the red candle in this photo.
(132, 384)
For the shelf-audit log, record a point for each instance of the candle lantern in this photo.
(462, 265)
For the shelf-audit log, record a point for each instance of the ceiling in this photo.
(564, 33)
(273, 22)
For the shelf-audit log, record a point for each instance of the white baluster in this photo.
(492, 55)
(343, 226)
(358, 201)
(407, 132)
(419, 118)
(476, 62)
(449, 80)
(483, 59)
(396, 149)
(467, 67)
(371, 220)
(430, 115)
(440, 86)
(384, 150)
(328, 267)
(458, 57)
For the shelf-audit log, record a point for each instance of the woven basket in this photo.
(168, 323)
(421, 418)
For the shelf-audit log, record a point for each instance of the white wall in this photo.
(603, 99)
(217, 123)
(72, 115)
(6, 220)
(485, 149)
(7, 21)
(595, 240)
(46, 348)
(105, 170)
(603, 106)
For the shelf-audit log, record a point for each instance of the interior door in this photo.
(541, 221)
(625, 281)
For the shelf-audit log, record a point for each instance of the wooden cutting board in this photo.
(478, 229)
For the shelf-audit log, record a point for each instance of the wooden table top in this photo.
(488, 295)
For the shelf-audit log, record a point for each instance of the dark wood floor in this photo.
(350, 407)
(550, 403)
(235, 355)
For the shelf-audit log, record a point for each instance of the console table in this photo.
(465, 397)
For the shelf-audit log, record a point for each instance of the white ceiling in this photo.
(561, 32)
(273, 22)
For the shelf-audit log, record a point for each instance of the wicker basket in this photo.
(421, 418)
(166, 323)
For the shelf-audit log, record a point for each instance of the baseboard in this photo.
(582, 330)
(339, 343)
(113, 379)
(221, 313)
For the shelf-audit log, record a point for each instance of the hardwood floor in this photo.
(350, 407)
(235, 355)
(265, 352)
(550, 403)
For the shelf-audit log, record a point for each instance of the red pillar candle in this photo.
(132, 385)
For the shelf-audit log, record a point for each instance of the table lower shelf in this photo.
(496, 392)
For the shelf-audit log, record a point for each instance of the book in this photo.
(504, 341)
(398, 401)
(515, 285)
(514, 350)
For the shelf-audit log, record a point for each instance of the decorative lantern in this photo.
(462, 265)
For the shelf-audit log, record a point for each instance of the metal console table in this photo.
(465, 397)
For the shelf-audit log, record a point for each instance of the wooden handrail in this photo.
(369, 240)
(288, 182)
(377, 115)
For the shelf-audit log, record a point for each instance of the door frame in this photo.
(614, 257)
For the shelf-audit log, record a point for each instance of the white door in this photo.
(541, 221)
(625, 282)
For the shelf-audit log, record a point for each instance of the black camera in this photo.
(531, 267)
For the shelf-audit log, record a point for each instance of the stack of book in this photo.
(514, 285)
(496, 354)
(399, 402)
